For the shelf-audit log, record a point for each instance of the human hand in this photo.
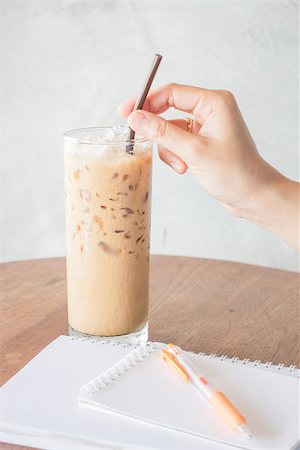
(219, 151)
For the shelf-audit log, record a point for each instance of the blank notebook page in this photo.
(150, 391)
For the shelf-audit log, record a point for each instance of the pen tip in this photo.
(243, 429)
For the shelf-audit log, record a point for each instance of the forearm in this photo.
(276, 208)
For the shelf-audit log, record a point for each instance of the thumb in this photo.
(185, 145)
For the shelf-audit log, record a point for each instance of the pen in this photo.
(185, 369)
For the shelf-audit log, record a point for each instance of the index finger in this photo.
(190, 99)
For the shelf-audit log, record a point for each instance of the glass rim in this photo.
(69, 138)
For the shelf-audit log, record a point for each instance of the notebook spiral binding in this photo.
(119, 368)
(141, 352)
(256, 363)
(105, 341)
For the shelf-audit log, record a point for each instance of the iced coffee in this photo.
(108, 203)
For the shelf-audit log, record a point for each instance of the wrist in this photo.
(275, 206)
(263, 205)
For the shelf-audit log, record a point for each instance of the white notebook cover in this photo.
(143, 387)
(39, 406)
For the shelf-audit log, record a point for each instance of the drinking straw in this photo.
(143, 95)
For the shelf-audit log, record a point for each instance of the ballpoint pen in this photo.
(185, 369)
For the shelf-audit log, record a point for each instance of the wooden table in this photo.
(202, 305)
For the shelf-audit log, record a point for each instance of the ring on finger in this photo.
(189, 124)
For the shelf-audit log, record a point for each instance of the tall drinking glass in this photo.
(107, 205)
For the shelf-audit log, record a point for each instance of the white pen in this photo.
(184, 367)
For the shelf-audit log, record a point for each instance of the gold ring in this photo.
(189, 124)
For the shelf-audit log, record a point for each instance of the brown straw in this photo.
(143, 95)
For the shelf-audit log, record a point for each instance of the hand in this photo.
(220, 153)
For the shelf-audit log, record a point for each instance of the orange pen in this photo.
(185, 369)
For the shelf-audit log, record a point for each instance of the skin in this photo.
(221, 155)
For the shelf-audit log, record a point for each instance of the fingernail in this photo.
(137, 120)
(176, 165)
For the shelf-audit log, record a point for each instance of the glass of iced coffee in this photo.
(107, 204)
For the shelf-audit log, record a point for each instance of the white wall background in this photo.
(68, 64)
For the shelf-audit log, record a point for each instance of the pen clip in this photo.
(174, 364)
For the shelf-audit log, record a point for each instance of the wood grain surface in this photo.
(202, 305)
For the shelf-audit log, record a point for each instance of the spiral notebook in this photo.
(141, 387)
(39, 405)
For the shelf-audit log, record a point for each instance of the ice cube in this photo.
(121, 133)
